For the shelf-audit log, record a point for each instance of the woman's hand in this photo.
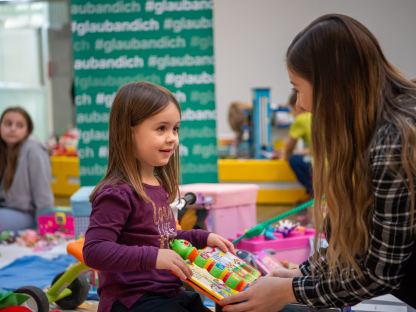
(169, 260)
(215, 240)
(284, 272)
(266, 294)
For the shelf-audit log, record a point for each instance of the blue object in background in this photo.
(33, 271)
(261, 123)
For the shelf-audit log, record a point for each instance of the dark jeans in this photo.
(302, 167)
(186, 301)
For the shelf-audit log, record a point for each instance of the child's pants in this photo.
(186, 301)
(302, 167)
(14, 220)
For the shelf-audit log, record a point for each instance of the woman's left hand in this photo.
(266, 294)
(215, 240)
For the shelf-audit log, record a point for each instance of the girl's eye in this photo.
(161, 128)
(176, 129)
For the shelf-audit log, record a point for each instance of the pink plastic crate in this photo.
(56, 222)
(231, 206)
(295, 248)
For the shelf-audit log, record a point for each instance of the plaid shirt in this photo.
(392, 237)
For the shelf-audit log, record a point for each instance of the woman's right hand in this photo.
(167, 259)
(286, 273)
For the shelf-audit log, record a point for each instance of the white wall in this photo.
(251, 38)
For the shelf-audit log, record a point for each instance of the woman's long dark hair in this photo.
(355, 91)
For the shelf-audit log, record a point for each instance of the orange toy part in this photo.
(75, 248)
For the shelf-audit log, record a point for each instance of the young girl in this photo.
(25, 172)
(363, 146)
(131, 222)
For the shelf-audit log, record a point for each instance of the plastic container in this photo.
(81, 209)
(231, 206)
(58, 219)
(295, 248)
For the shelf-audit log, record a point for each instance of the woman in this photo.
(363, 146)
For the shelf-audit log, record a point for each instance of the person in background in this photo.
(131, 223)
(239, 121)
(25, 172)
(300, 129)
(364, 173)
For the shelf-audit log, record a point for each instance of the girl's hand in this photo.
(287, 273)
(169, 260)
(266, 294)
(215, 240)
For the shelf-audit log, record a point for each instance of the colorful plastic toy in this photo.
(59, 220)
(234, 272)
(285, 227)
(24, 299)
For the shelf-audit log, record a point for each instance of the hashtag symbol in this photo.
(169, 78)
(168, 23)
(99, 98)
(150, 6)
(152, 61)
(103, 151)
(99, 44)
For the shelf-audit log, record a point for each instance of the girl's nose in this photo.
(172, 136)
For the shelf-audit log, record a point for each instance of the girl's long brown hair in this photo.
(135, 102)
(355, 91)
(9, 155)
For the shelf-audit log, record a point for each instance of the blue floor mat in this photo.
(33, 270)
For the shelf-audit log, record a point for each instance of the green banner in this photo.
(165, 42)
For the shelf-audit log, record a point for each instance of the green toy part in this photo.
(9, 298)
(259, 228)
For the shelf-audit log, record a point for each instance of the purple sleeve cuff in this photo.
(147, 256)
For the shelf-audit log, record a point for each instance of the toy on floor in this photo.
(24, 299)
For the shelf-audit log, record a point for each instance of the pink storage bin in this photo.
(295, 248)
(56, 221)
(231, 206)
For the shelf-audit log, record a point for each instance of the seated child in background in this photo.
(300, 129)
(131, 222)
(25, 172)
(238, 119)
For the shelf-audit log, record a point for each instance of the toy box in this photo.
(58, 219)
(295, 248)
(81, 209)
(231, 207)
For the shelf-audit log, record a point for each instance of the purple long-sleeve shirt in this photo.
(123, 240)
